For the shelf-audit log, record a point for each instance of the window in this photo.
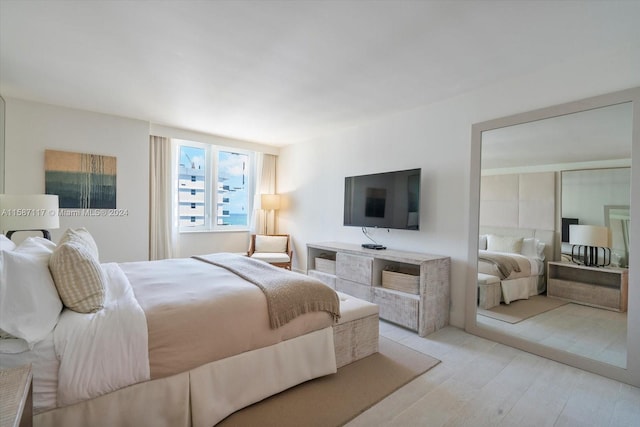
(213, 187)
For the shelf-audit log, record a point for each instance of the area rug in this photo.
(335, 399)
(522, 309)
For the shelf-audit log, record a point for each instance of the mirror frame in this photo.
(2, 149)
(630, 374)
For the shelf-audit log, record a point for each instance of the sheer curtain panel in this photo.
(265, 184)
(162, 228)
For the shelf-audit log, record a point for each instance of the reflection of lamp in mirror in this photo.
(587, 243)
(269, 202)
(33, 212)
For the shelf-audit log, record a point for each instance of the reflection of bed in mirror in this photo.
(517, 258)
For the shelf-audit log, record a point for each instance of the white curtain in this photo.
(163, 233)
(265, 184)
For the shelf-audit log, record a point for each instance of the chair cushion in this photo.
(271, 243)
(271, 257)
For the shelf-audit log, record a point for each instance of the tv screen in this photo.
(383, 200)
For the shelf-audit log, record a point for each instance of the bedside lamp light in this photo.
(589, 241)
(33, 212)
(269, 202)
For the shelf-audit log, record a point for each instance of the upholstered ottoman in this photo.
(489, 291)
(356, 334)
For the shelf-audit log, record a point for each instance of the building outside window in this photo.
(213, 187)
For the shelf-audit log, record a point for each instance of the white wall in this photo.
(33, 127)
(585, 193)
(436, 138)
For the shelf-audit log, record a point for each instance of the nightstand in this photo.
(602, 287)
(16, 409)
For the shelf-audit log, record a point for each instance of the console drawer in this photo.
(355, 268)
(397, 307)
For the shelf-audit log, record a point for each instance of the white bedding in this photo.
(66, 370)
(518, 285)
(104, 351)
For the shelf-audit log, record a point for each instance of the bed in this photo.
(176, 342)
(516, 258)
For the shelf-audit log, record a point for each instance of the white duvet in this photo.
(118, 352)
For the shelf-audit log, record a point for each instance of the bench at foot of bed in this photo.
(489, 292)
(356, 334)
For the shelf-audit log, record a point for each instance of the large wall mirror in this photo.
(2, 156)
(544, 184)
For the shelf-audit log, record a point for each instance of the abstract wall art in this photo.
(81, 181)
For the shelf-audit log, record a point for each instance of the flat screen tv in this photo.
(383, 200)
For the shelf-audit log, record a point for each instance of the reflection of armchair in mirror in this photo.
(617, 219)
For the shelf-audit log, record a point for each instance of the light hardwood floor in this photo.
(587, 331)
(483, 383)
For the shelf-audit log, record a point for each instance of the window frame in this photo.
(212, 170)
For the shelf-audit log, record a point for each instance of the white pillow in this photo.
(29, 302)
(504, 244)
(529, 247)
(271, 243)
(532, 248)
(6, 244)
(482, 242)
(540, 250)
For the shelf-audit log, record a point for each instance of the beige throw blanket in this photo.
(289, 294)
(504, 263)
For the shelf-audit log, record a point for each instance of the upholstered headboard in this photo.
(519, 201)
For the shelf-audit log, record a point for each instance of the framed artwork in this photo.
(81, 181)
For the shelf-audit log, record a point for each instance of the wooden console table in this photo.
(602, 287)
(356, 271)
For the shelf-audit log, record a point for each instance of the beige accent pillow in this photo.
(271, 243)
(83, 236)
(504, 243)
(78, 277)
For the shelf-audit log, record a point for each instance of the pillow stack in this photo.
(29, 302)
(77, 273)
(37, 278)
(528, 246)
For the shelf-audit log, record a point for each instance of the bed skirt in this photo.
(205, 395)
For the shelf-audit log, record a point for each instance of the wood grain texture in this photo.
(597, 287)
(356, 339)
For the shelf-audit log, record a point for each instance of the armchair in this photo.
(272, 248)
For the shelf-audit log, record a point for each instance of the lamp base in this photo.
(45, 233)
(590, 255)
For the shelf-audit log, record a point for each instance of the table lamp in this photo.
(31, 212)
(587, 242)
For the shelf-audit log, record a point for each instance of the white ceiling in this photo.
(279, 72)
(601, 134)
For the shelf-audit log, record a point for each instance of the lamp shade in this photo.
(270, 202)
(28, 212)
(589, 235)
